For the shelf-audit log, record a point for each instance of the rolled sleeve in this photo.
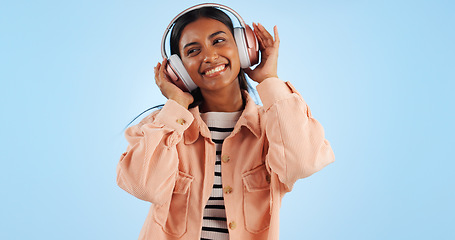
(175, 116)
(272, 90)
(297, 146)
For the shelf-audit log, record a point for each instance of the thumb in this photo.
(252, 73)
(248, 71)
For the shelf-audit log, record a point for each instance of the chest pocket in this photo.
(256, 199)
(172, 216)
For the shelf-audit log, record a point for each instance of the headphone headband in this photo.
(166, 32)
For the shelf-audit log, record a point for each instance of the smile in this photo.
(214, 71)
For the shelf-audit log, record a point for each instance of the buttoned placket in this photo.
(227, 189)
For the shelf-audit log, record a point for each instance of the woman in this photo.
(214, 164)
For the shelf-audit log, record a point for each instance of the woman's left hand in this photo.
(269, 54)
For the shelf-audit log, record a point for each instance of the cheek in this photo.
(191, 66)
(234, 56)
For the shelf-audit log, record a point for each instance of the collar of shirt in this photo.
(249, 119)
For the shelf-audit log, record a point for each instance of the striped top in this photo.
(214, 223)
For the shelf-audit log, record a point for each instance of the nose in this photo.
(210, 55)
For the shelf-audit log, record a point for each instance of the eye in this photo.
(192, 51)
(218, 40)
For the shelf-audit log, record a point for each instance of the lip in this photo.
(203, 73)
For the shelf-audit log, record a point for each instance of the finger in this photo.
(277, 38)
(247, 71)
(265, 34)
(250, 73)
(258, 36)
(164, 63)
(264, 31)
(259, 32)
(156, 70)
(162, 68)
(266, 39)
(157, 66)
(160, 75)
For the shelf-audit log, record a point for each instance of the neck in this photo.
(228, 99)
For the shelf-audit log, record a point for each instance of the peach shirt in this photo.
(170, 162)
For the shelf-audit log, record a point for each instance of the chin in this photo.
(218, 83)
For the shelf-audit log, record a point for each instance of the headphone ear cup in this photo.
(170, 72)
(252, 46)
(247, 45)
(180, 77)
(239, 37)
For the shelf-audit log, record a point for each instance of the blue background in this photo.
(378, 75)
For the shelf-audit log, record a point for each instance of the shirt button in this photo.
(181, 121)
(232, 225)
(225, 158)
(227, 189)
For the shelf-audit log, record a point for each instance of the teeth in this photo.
(215, 70)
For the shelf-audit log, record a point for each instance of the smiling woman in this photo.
(209, 54)
(214, 164)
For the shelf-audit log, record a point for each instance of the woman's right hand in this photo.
(169, 89)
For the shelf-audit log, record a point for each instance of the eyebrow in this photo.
(211, 36)
(214, 34)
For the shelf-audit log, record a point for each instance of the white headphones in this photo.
(245, 39)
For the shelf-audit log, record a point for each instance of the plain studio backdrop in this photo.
(378, 75)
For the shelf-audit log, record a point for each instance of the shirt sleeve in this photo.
(297, 147)
(148, 168)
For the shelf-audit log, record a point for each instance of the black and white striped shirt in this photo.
(214, 223)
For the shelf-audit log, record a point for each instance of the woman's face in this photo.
(209, 54)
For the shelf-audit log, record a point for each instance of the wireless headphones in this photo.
(245, 39)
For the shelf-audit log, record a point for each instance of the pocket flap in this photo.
(182, 183)
(257, 179)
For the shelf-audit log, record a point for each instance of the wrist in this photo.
(266, 77)
(182, 101)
